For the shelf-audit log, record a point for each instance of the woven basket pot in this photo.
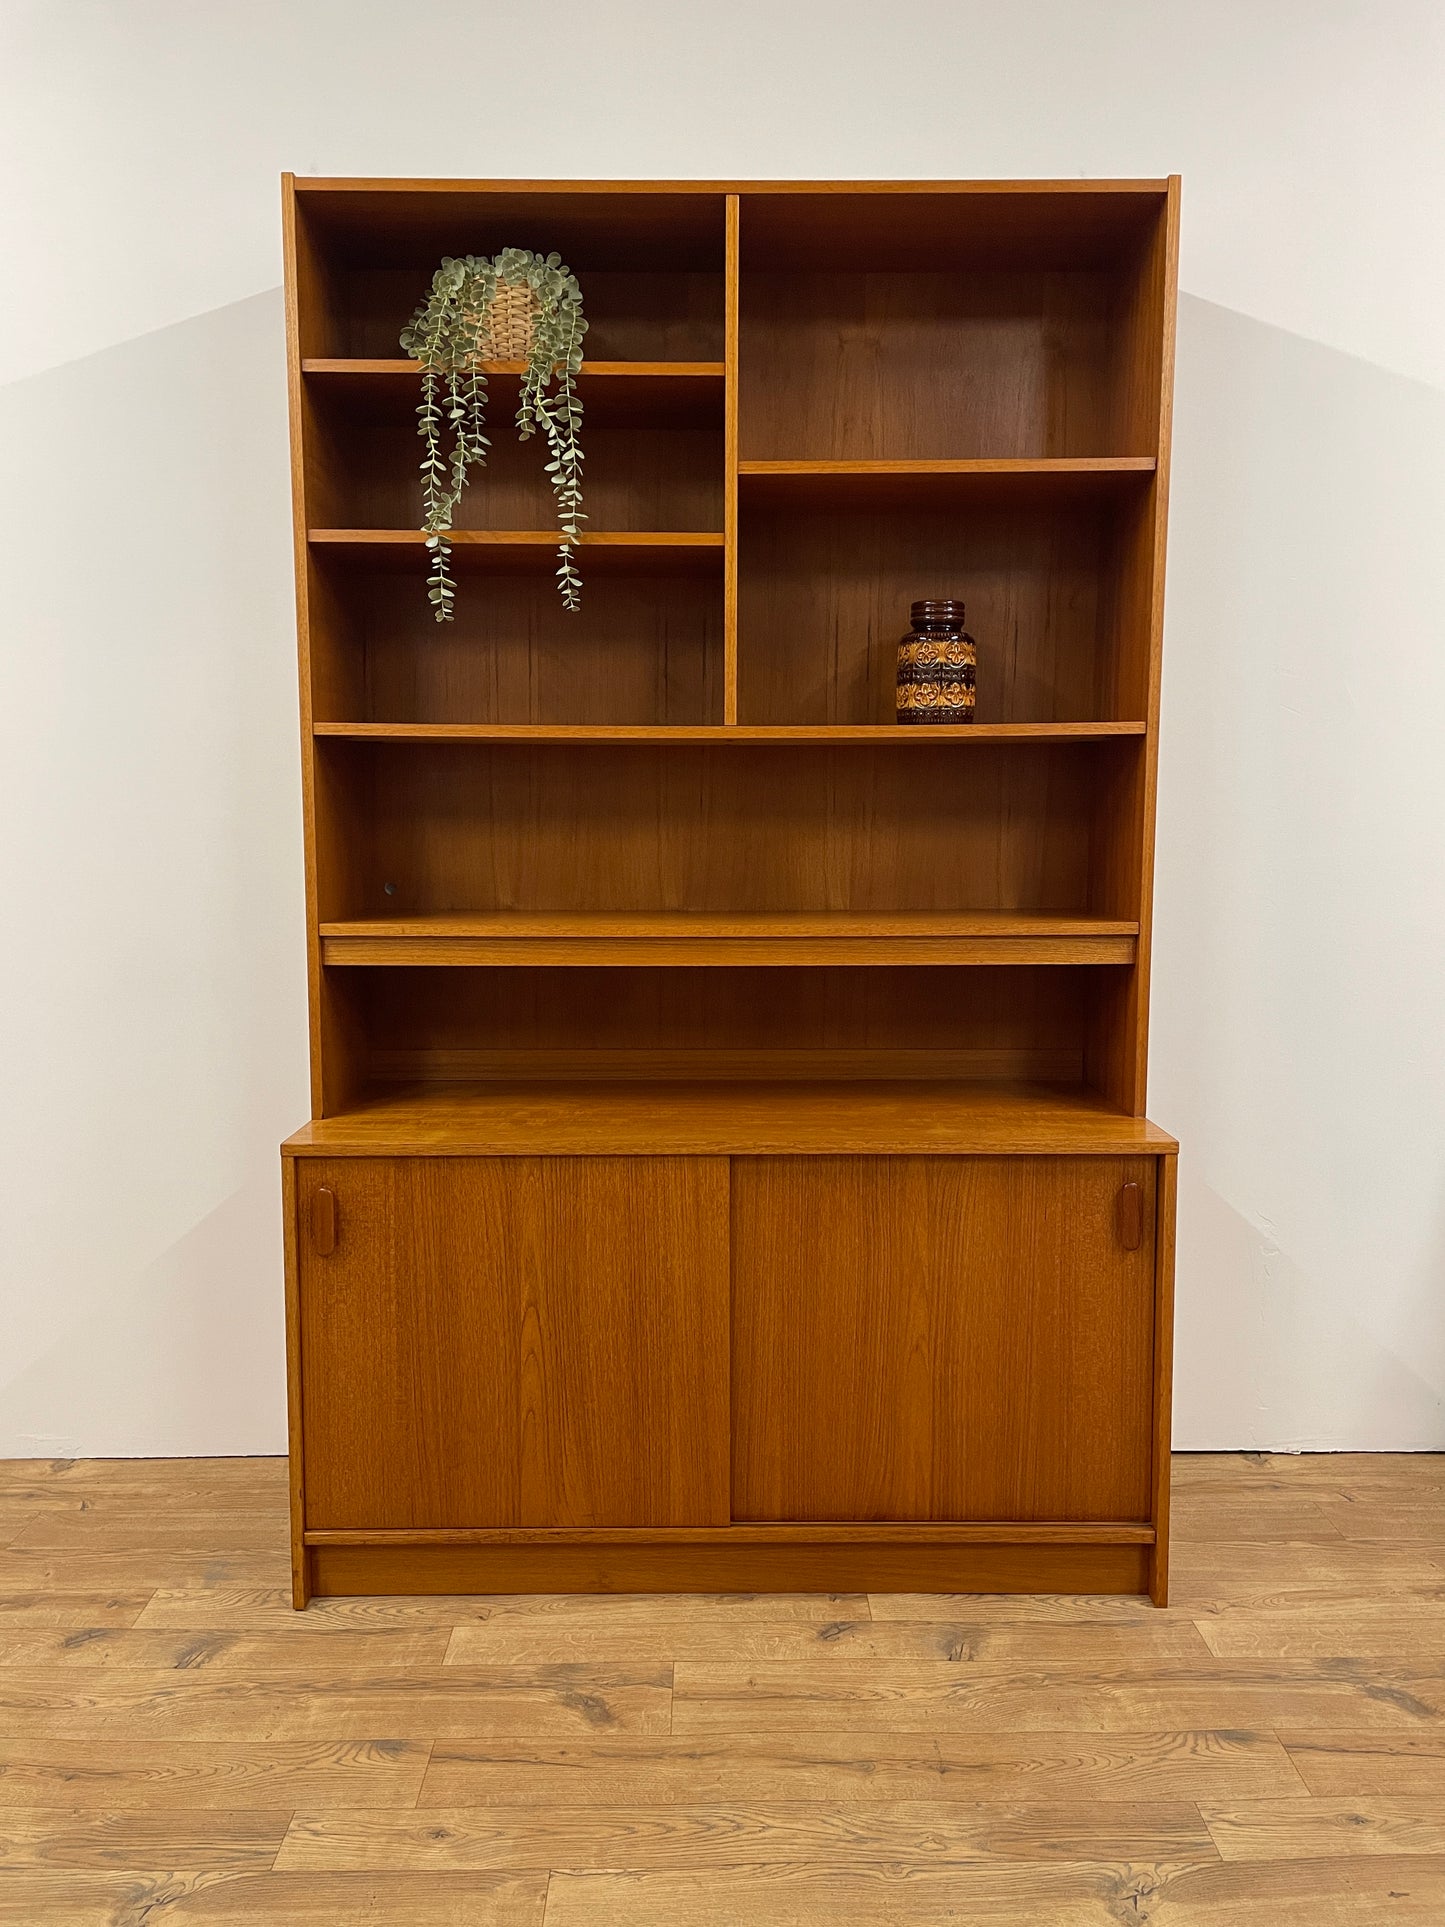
(509, 323)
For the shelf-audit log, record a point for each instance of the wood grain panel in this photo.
(643, 649)
(824, 595)
(916, 1338)
(504, 1343)
(799, 1023)
(1366, 1628)
(298, 1646)
(862, 1765)
(1294, 1893)
(869, 366)
(1133, 1696)
(868, 1839)
(974, 226)
(196, 1897)
(637, 315)
(547, 1638)
(1327, 1829)
(235, 1839)
(131, 1772)
(821, 1119)
(472, 1703)
(636, 478)
(1162, 1417)
(459, 827)
(723, 1567)
(1357, 1761)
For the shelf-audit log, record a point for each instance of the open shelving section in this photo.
(664, 879)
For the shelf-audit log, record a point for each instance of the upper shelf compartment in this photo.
(650, 265)
(918, 326)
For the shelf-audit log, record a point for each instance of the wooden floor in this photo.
(177, 1746)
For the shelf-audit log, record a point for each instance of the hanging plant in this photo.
(516, 306)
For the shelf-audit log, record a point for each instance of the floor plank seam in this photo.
(421, 1777)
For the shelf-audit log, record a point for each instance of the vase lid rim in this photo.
(938, 610)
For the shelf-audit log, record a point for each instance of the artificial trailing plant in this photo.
(451, 334)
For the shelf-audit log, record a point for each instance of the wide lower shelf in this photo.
(689, 939)
(729, 734)
(825, 1118)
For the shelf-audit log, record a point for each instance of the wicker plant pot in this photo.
(509, 323)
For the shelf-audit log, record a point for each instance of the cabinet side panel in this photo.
(302, 297)
(295, 1424)
(1168, 303)
(1163, 1376)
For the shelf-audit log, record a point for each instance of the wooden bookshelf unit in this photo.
(728, 1168)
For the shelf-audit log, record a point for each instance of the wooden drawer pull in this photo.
(1131, 1217)
(323, 1221)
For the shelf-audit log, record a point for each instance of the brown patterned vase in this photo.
(936, 666)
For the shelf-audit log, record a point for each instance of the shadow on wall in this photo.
(152, 996)
(1299, 1017)
(153, 1008)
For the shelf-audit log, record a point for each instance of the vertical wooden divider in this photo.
(730, 459)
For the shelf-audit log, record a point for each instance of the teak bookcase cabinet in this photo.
(728, 1166)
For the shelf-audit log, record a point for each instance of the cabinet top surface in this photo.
(361, 184)
(733, 1119)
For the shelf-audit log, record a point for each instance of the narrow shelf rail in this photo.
(379, 368)
(680, 394)
(1021, 479)
(526, 550)
(729, 734)
(690, 938)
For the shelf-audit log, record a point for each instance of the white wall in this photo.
(151, 997)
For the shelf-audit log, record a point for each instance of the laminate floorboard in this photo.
(178, 1746)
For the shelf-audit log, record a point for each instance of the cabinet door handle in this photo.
(323, 1221)
(1131, 1217)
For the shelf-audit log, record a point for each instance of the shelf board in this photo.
(990, 479)
(826, 1118)
(529, 551)
(614, 394)
(728, 734)
(694, 939)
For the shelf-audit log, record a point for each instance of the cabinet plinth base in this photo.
(855, 1564)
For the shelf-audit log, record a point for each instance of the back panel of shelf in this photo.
(980, 1023)
(426, 828)
(1046, 581)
